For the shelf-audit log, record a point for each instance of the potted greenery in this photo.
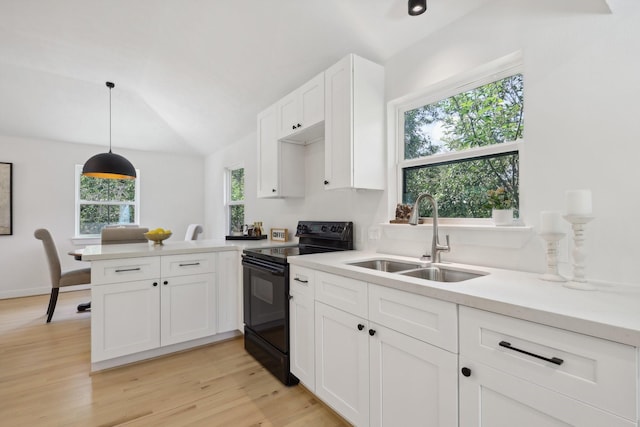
(501, 206)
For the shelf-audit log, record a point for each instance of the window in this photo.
(462, 142)
(235, 199)
(101, 202)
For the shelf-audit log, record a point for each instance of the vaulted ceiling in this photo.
(190, 75)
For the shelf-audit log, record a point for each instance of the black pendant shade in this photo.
(417, 7)
(109, 165)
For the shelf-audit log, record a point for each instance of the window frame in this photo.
(485, 74)
(227, 194)
(78, 203)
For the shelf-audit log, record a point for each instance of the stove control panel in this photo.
(334, 230)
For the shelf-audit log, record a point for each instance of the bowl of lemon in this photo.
(157, 235)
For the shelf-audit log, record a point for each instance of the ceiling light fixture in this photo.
(109, 165)
(417, 7)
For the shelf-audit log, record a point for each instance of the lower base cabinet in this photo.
(177, 299)
(492, 398)
(411, 382)
(188, 308)
(125, 318)
(375, 376)
(342, 362)
(383, 357)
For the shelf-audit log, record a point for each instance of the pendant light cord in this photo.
(110, 86)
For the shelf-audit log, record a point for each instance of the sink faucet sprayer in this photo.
(436, 247)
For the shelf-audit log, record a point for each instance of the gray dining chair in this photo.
(59, 278)
(192, 232)
(119, 235)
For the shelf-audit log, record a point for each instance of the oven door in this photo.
(266, 303)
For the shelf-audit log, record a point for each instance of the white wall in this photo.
(43, 196)
(362, 207)
(581, 70)
(580, 107)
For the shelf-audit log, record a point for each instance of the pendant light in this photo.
(417, 7)
(109, 165)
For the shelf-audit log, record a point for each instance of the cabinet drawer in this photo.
(188, 264)
(427, 319)
(301, 281)
(596, 371)
(342, 292)
(124, 270)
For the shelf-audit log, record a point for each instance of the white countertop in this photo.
(611, 311)
(177, 247)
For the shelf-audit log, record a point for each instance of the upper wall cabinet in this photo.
(354, 125)
(301, 113)
(280, 164)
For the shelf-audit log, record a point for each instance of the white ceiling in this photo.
(190, 75)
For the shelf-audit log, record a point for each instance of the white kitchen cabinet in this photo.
(354, 125)
(412, 382)
(492, 398)
(384, 373)
(300, 115)
(144, 303)
(280, 164)
(542, 376)
(228, 287)
(301, 326)
(342, 362)
(188, 308)
(125, 318)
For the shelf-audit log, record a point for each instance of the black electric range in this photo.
(266, 291)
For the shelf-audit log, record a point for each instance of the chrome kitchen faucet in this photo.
(436, 247)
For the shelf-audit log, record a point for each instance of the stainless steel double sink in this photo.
(436, 273)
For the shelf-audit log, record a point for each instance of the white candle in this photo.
(550, 222)
(578, 202)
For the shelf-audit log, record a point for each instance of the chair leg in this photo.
(52, 303)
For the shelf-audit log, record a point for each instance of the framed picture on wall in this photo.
(6, 217)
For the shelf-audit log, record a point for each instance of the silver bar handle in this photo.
(123, 270)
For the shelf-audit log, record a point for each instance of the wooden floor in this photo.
(45, 380)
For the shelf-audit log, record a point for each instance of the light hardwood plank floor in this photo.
(45, 380)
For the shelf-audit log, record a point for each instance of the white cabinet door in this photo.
(492, 398)
(342, 362)
(311, 102)
(288, 115)
(280, 164)
(125, 318)
(228, 291)
(338, 120)
(267, 153)
(412, 382)
(188, 308)
(301, 113)
(354, 125)
(301, 338)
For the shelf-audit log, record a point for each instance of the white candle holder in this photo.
(552, 240)
(578, 224)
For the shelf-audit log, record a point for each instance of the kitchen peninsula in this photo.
(150, 300)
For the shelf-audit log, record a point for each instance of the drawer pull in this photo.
(553, 360)
(189, 264)
(123, 270)
(300, 280)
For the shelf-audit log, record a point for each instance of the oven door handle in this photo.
(275, 269)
